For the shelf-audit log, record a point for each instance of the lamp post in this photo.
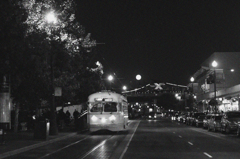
(110, 78)
(192, 80)
(138, 78)
(214, 65)
(51, 19)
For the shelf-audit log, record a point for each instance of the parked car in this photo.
(194, 117)
(206, 121)
(229, 122)
(215, 123)
(199, 120)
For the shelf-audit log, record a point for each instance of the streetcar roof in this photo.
(106, 96)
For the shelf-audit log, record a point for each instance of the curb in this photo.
(27, 148)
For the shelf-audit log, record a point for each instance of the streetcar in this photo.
(107, 110)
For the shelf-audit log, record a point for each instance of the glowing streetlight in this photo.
(138, 77)
(124, 88)
(110, 78)
(214, 65)
(192, 79)
(51, 18)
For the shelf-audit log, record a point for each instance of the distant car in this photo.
(229, 122)
(152, 115)
(206, 121)
(199, 120)
(215, 123)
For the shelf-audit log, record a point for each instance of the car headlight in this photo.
(111, 118)
(150, 116)
(94, 118)
(103, 120)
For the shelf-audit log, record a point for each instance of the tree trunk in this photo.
(16, 117)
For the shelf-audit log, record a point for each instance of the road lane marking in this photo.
(205, 153)
(180, 136)
(190, 143)
(125, 150)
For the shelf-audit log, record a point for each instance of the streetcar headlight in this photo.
(94, 118)
(103, 120)
(112, 118)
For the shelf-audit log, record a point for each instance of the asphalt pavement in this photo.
(14, 143)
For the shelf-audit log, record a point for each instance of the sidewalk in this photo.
(24, 140)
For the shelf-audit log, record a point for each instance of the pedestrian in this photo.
(75, 115)
(67, 121)
(62, 117)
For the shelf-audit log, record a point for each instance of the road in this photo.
(160, 138)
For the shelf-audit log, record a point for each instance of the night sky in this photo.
(162, 40)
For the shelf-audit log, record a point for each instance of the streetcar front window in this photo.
(110, 107)
(97, 108)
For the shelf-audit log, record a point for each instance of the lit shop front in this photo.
(229, 104)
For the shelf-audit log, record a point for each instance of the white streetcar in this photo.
(107, 110)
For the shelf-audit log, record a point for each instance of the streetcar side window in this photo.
(96, 108)
(110, 107)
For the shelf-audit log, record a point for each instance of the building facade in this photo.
(221, 82)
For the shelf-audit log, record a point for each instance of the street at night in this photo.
(161, 138)
(119, 79)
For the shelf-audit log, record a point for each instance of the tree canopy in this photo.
(29, 41)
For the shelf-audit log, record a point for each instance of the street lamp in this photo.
(124, 88)
(138, 77)
(52, 19)
(110, 78)
(192, 80)
(214, 65)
